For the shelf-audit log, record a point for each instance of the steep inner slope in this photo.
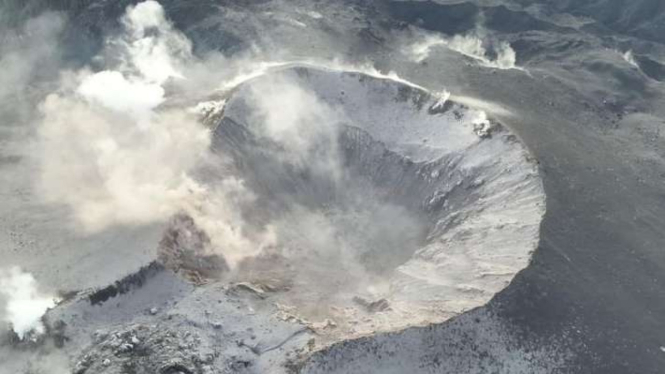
(396, 208)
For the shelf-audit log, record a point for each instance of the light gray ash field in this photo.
(331, 187)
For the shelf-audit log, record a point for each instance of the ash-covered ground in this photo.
(331, 187)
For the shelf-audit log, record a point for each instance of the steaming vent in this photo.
(386, 206)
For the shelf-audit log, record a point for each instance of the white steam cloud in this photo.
(105, 149)
(152, 46)
(24, 305)
(295, 119)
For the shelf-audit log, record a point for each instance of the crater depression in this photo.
(379, 204)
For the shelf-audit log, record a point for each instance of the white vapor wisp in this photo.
(24, 305)
(470, 45)
(629, 57)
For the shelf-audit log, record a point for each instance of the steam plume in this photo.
(24, 304)
(106, 151)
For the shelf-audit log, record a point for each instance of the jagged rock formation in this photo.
(185, 249)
